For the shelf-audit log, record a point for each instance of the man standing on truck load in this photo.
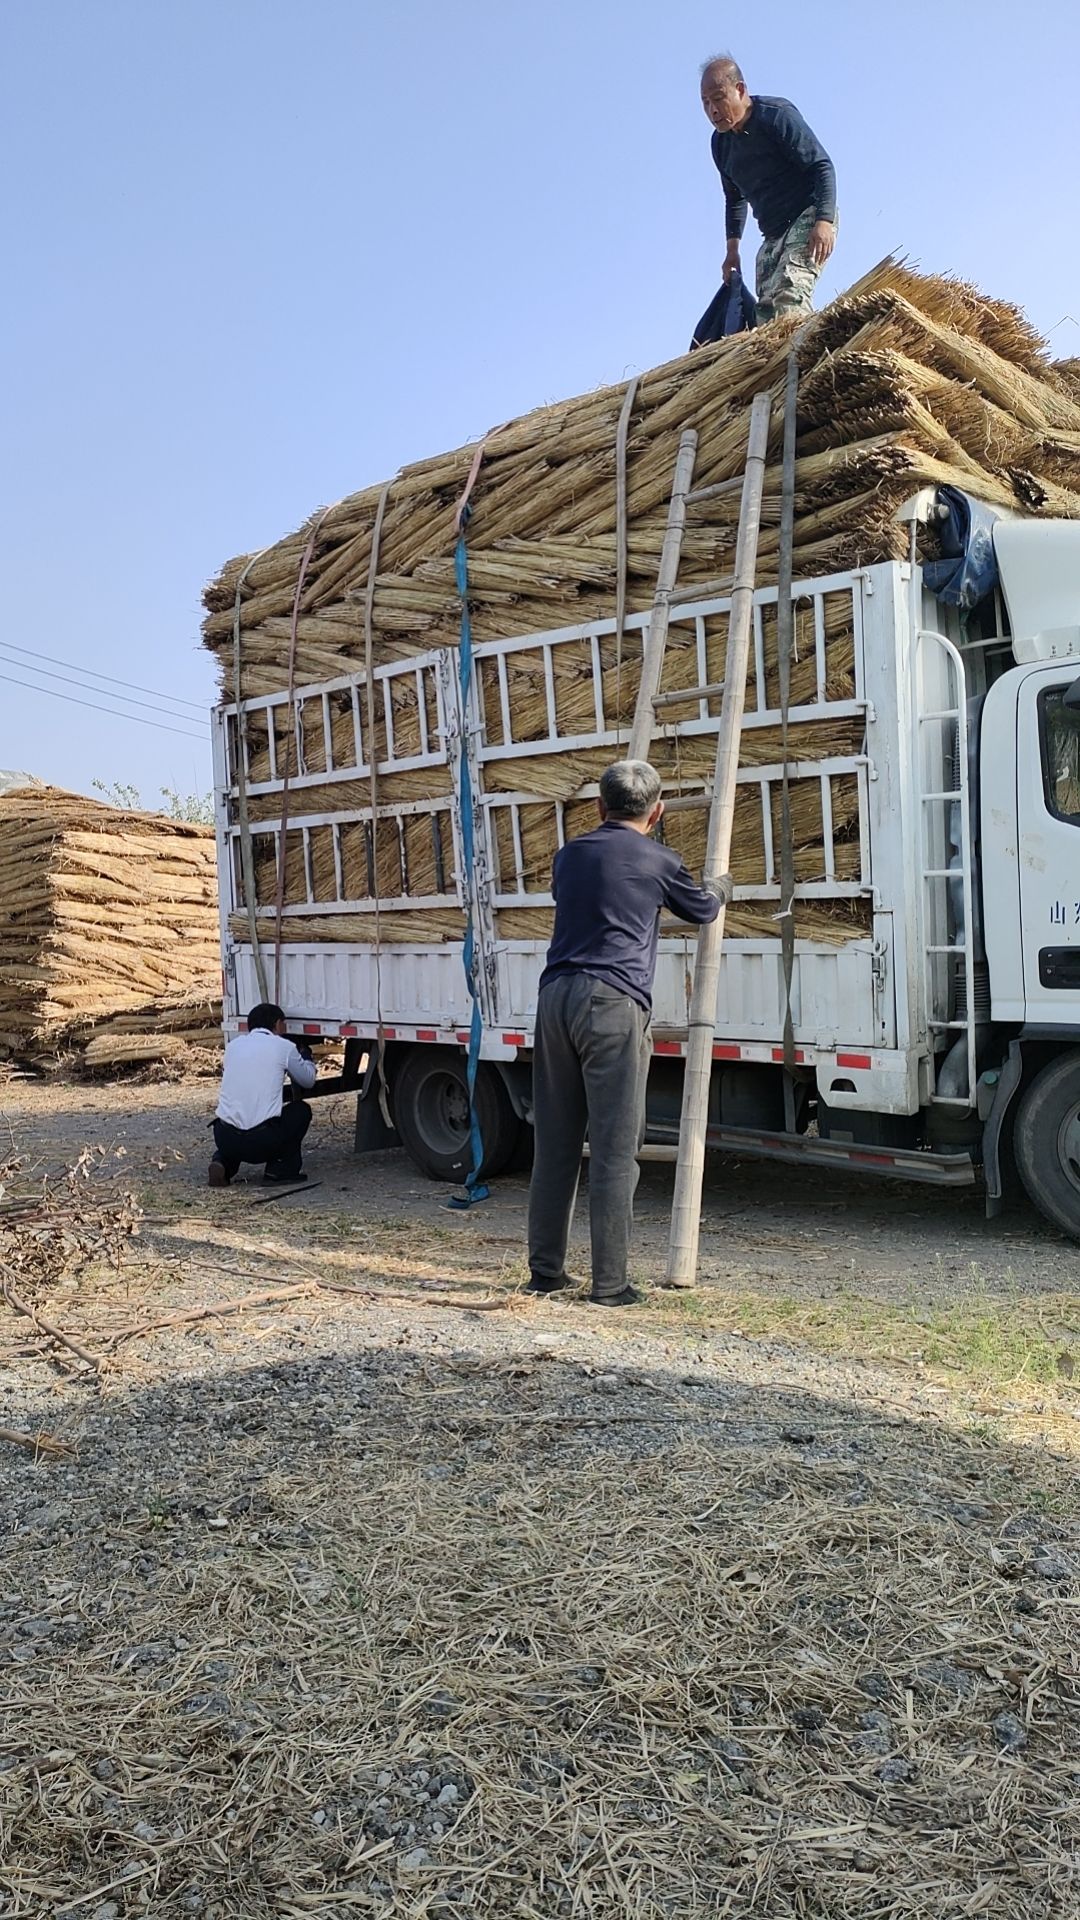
(253, 1123)
(592, 1045)
(769, 158)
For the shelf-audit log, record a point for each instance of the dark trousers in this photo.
(277, 1142)
(590, 1067)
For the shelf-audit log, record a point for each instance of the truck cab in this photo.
(1028, 864)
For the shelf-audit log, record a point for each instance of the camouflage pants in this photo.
(786, 276)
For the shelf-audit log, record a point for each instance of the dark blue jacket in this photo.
(732, 310)
(776, 164)
(609, 887)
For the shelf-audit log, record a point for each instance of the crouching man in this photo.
(593, 1043)
(253, 1123)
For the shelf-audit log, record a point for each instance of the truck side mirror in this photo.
(1071, 698)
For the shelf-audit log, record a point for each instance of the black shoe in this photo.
(283, 1179)
(629, 1297)
(219, 1175)
(540, 1283)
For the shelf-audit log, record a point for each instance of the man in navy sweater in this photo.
(768, 158)
(592, 1046)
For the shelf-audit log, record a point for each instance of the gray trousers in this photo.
(590, 1065)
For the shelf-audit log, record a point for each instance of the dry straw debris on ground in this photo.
(386, 1635)
(371, 1602)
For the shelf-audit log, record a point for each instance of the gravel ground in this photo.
(789, 1224)
(426, 1599)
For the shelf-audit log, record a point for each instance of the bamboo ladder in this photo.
(690, 1162)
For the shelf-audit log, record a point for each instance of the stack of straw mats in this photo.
(182, 1028)
(101, 910)
(906, 381)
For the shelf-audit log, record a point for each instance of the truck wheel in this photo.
(431, 1114)
(1047, 1142)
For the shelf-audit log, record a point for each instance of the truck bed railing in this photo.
(543, 655)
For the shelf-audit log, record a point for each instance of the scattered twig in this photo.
(189, 1316)
(39, 1444)
(463, 1306)
(41, 1350)
(416, 1299)
(38, 1320)
(244, 1303)
(218, 1309)
(216, 1266)
(285, 1193)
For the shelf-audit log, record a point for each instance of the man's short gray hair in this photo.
(723, 63)
(630, 789)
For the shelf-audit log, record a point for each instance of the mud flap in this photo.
(1007, 1087)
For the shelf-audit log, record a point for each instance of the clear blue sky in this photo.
(258, 253)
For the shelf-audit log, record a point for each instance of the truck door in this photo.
(1048, 823)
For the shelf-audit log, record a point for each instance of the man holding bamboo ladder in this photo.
(768, 158)
(593, 1044)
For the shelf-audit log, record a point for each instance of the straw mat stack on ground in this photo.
(101, 911)
(906, 382)
(179, 1029)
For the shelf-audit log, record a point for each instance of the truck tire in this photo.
(1046, 1142)
(431, 1114)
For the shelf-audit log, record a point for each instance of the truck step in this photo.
(797, 1149)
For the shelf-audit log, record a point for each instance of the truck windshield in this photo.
(1059, 727)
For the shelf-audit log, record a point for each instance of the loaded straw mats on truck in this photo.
(906, 382)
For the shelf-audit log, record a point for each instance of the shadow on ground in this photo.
(470, 1634)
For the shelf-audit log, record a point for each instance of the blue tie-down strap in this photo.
(474, 1188)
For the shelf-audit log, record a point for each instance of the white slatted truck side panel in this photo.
(326, 987)
(844, 998)
(862, 1037)
(915, 1048)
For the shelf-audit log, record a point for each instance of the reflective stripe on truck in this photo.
(506, 1045)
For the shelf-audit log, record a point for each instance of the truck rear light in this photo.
(310, 1026)
(861, 1061)
(514, 1039)
(426, 1033)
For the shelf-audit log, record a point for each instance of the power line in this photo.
(69, 682)
(92, 674)
(74, 701)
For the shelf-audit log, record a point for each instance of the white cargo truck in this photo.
(942, 1044)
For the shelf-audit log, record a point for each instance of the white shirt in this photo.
(253, 1077)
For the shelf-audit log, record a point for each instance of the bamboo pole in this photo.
(686, 1206)
(652, 665)
(247, 858)
(785, 644)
